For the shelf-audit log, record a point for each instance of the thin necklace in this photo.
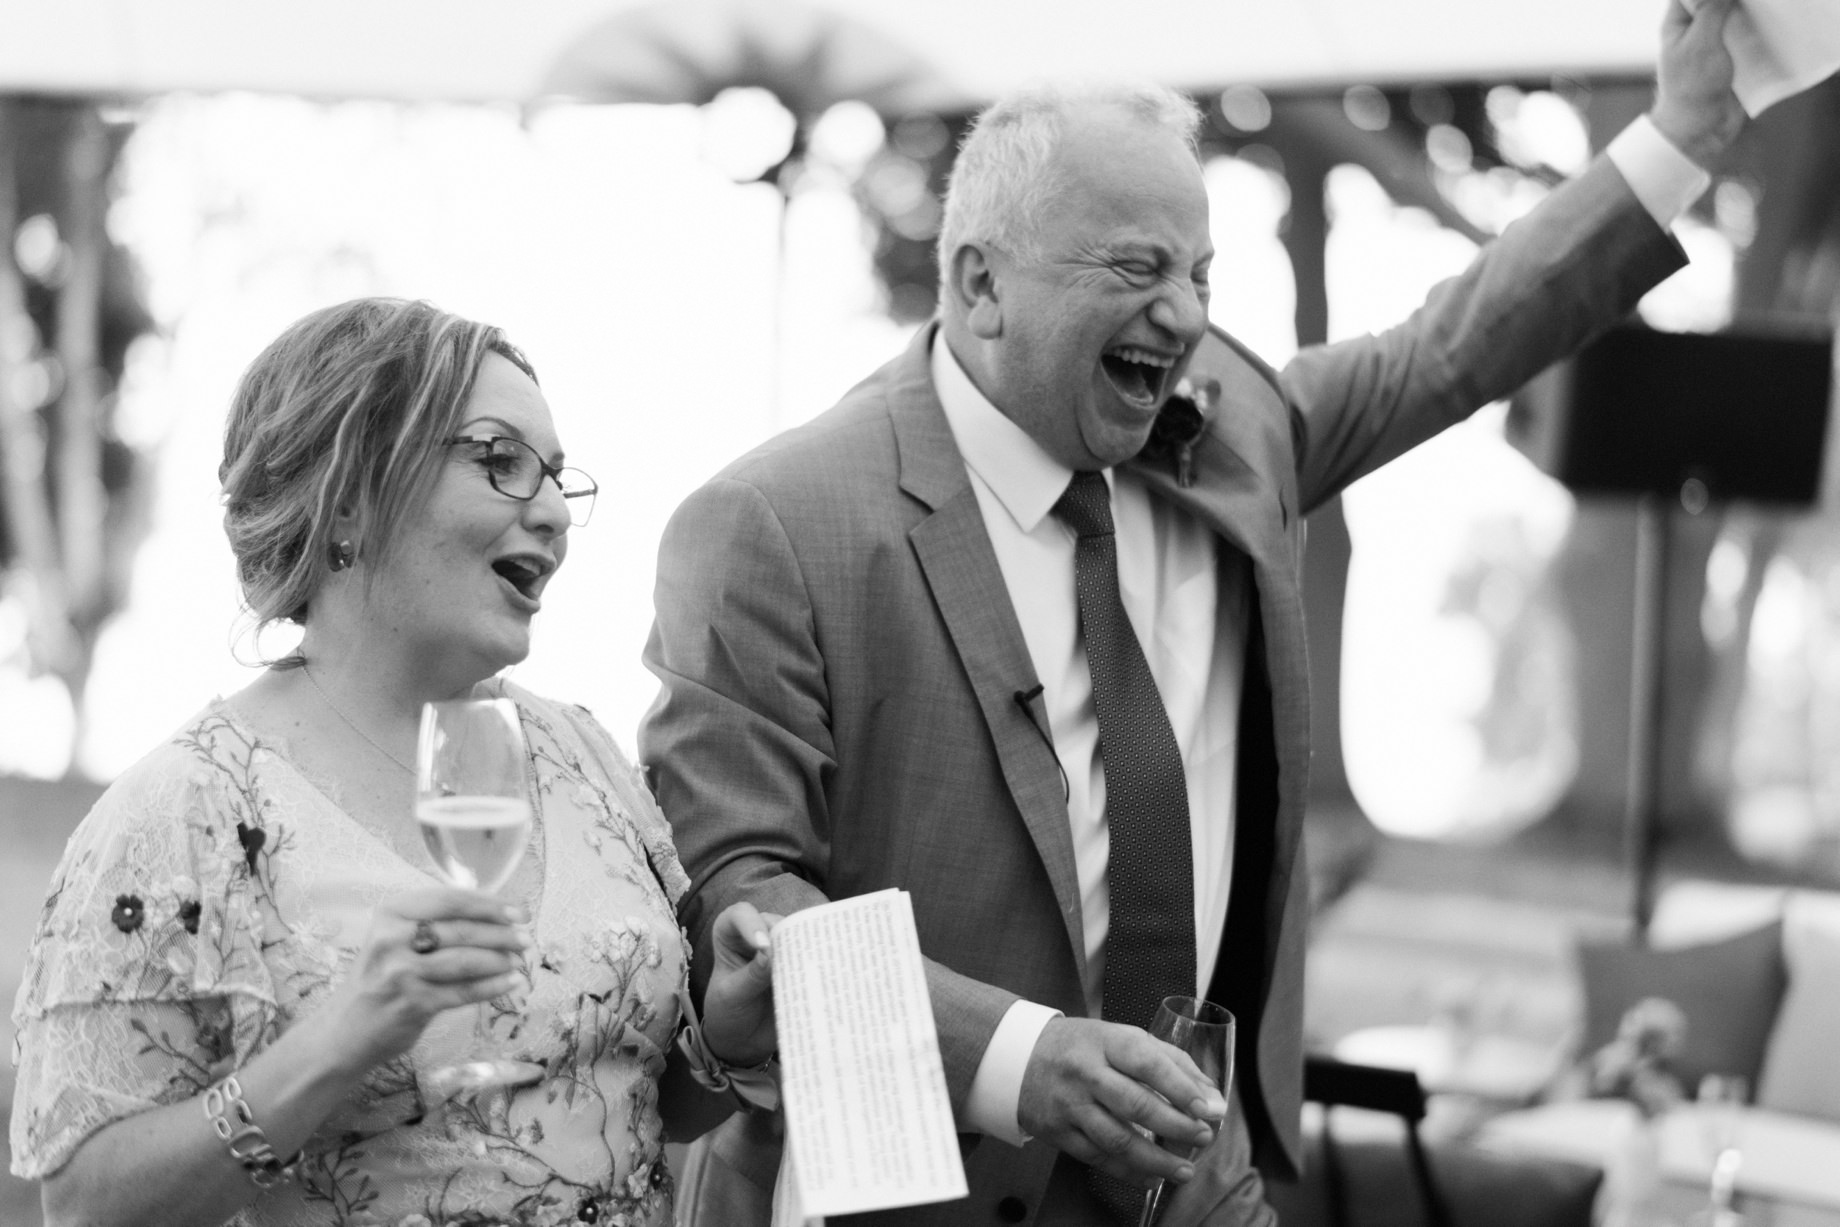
(349, 722)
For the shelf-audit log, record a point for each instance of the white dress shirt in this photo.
(1187, 596)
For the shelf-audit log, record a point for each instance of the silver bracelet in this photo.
(235, 1124)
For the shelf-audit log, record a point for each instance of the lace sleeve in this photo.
(145, 977)
(635, 797)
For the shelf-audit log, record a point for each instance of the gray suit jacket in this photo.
(840, 665)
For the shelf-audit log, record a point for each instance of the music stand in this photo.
(1676, 420)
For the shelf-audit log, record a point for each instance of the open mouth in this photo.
(1139, 375)
(524, 574)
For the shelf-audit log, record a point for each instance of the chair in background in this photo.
(1362, 1169)
(1333, 1084)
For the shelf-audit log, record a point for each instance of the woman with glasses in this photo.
(247, 968)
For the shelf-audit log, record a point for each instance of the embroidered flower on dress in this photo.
(189, 911)
(616, 943)
(128, 913)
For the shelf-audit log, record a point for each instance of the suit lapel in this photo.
(1230, 494)
(954, 553)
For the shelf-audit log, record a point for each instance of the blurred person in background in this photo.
(894, 609)
(246, 969)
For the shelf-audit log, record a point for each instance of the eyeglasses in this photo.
(516, 471)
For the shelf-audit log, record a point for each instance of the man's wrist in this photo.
(992, 1105)
(1660, 174)
(1699, 144)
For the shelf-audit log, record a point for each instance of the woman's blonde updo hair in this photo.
(347, 410)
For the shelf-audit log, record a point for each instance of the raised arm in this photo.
(1546, 286)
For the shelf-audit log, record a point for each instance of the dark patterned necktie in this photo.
(1150, 946)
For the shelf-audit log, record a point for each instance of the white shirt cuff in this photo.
(1664, 179)
(996, 1088)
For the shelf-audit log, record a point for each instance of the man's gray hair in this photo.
(1004, 174)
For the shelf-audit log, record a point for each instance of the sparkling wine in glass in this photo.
(1205, 1032)
(473, 807)
(476, 841)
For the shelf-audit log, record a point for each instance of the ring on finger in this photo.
(425, 940)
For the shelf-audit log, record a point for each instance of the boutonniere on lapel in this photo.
(1180, 424)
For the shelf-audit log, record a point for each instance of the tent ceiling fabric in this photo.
(505, 50)
(690, 50)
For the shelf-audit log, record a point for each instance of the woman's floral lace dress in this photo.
(214, 895)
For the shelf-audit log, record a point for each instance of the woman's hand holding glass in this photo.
(395, 986)
(738, 1004)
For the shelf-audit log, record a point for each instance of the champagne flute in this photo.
(1205, 1032)
(474, 812)
(1720, 1104)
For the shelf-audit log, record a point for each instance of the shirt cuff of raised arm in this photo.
(1664, 179)
(992, 1105)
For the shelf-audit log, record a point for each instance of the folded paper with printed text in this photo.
(868, 1120)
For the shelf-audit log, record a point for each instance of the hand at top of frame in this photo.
(1694, 104)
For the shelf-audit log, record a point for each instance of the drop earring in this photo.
(340, 555)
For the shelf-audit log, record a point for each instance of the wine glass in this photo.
(1720, 1107)
(474, 812)
(1205, 1032)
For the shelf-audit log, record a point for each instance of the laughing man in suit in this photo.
(880, 668)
